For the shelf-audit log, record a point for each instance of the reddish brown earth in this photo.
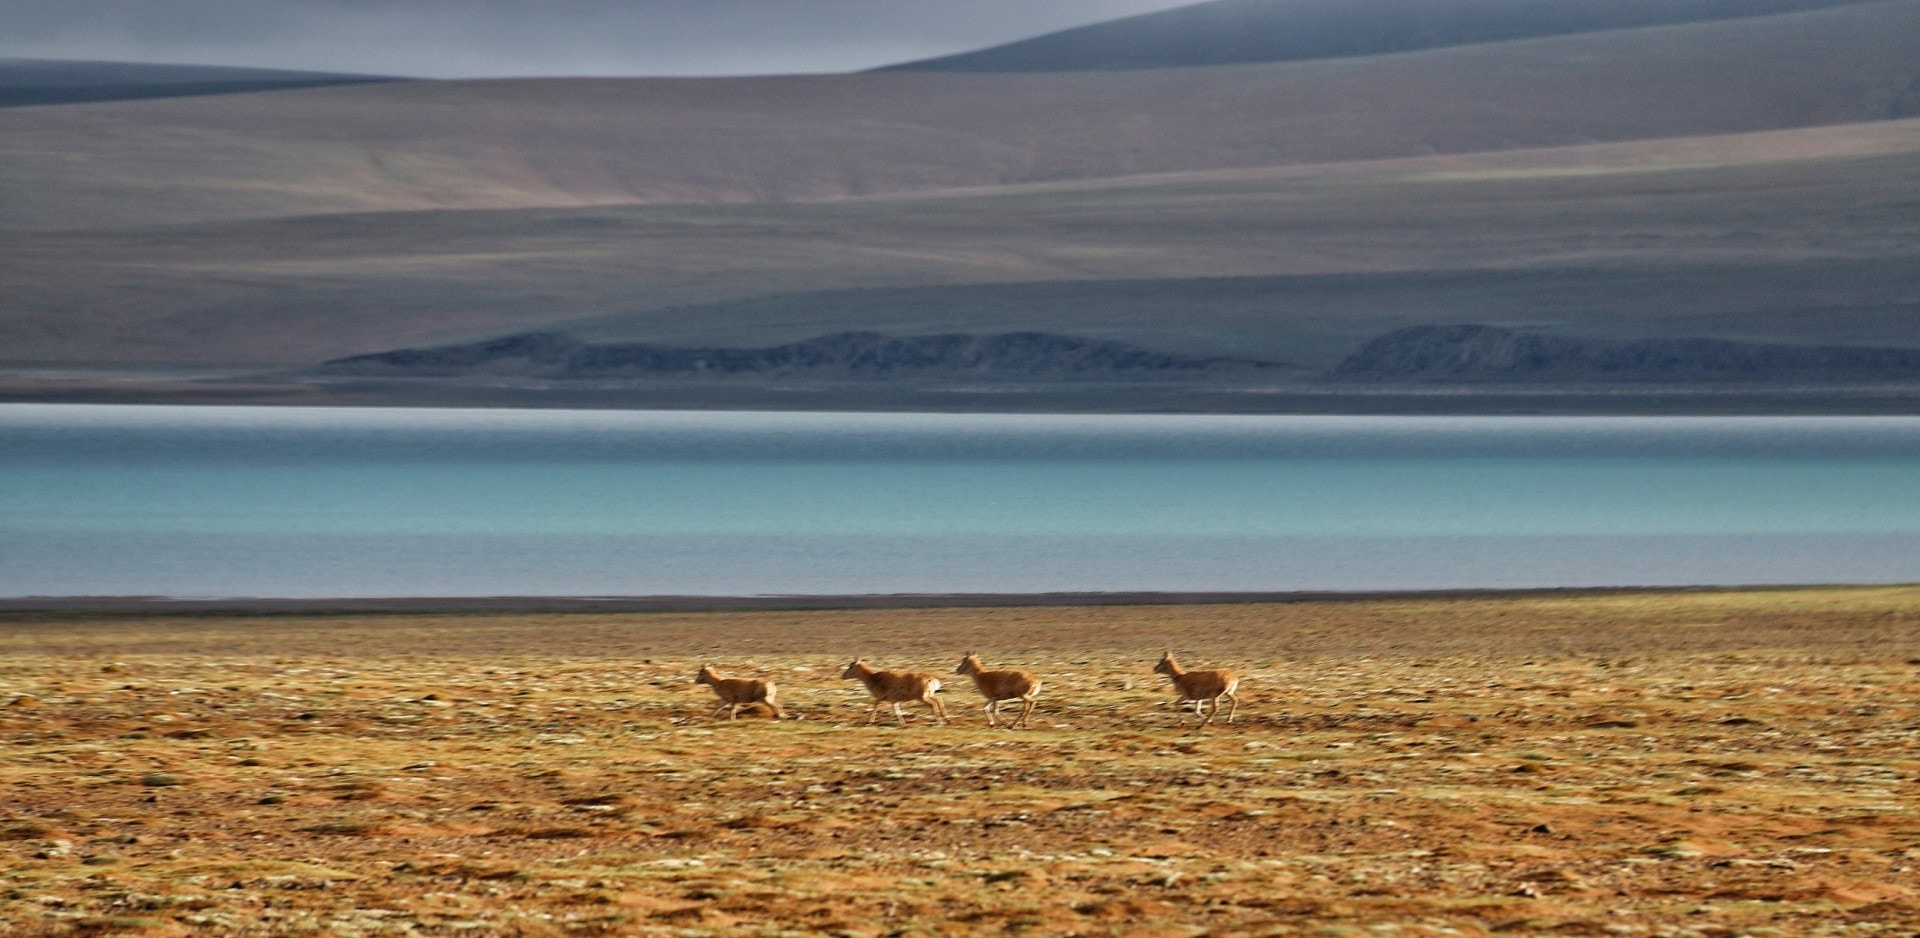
(1638, 764)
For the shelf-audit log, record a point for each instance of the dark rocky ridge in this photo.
(860, 355)
(1485, 354)
(34, 82)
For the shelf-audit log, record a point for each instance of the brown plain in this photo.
(1734, 762)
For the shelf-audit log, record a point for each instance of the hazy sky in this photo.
(475, 38)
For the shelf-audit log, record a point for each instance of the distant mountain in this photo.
(438, 145)
(871, 355)
(1793, 237)
(29, 82)
(1704, 201)
(1483, 354)
(1227, 32)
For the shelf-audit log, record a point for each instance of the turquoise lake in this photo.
(345, 502)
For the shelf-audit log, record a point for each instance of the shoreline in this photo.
(161, 606)
(1117, 398)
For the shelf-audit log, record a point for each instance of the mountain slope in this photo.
(30, 82)
(1777, 237)
(1228, 32)
(419, 146)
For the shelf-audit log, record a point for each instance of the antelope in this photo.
(1200, 687)
(996, 686)
(737, 692)
(896, 688)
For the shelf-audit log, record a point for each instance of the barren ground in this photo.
(1646, 764)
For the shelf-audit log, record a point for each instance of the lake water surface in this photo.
(346, 502)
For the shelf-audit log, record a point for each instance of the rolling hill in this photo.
(1784, 236)
(420, 146)
(1686, 195)
(1230, 32)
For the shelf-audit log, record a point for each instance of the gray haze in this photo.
(487, 38)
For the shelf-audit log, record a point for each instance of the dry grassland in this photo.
(1636, 764)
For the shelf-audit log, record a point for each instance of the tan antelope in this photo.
(896, 688)
(996, 686)
(1200, 687)
(737, 692)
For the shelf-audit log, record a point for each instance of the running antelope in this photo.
(737, 692)
(996, 686)
(896, 688)
(1200, 687)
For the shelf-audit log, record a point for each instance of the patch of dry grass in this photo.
(1694, 763)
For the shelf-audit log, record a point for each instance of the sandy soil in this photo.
(1629, 764)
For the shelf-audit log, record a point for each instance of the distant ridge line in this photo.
(1229, 32)
(42, 82)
